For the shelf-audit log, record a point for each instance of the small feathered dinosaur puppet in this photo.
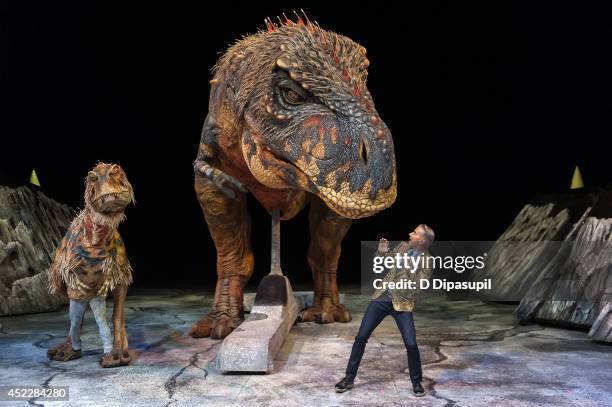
(91, 261)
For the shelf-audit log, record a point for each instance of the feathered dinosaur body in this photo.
(292, 122)
(91, 260)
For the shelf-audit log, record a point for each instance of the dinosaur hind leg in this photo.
(71, 347)
(230, 227)
(326, 233)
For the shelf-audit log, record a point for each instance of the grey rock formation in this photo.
(602, 327)
(556, 259)
(31, 227)
(521, 253)
(575, 288)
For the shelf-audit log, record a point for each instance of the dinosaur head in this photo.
(107, 193)
(309, 120)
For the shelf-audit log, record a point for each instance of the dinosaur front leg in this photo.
(326, 233)
(230, 227)
(120, 355)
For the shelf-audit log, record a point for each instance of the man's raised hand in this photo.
(383, 245)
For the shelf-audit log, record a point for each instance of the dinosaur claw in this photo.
(226, 183)
(222, 328)
(326, 314)
(228, 180)
(214, 327)
(63, 352)
(219, 332)
(202, 328)
(125, 357)
(306, 316)
(115, 358)
(326, 318)
(65, 355)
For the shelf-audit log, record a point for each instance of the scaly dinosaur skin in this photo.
(291, 121)
(91, 259)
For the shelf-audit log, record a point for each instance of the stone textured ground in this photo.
(474, 354)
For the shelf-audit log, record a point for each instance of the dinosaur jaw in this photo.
(276, 172)
(111, 203)
(357, 205)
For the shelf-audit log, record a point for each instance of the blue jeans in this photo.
(377, 310)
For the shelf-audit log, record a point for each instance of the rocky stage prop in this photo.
(520, 254)
(31, 227)
(575, 288)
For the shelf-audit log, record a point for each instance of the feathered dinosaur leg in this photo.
(326, 233)
(65, 351)
(230, 227)
(120, 355)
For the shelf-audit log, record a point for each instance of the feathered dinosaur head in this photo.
(107, 193)
(310, 121)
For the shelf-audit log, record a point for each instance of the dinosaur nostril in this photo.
(363, 152)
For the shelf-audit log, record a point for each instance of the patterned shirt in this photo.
(403, 299)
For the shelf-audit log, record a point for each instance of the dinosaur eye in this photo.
(291, 96)
(92, 176)
(115, 171)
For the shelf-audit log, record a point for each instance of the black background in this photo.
(487, 104)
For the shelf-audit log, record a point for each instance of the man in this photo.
(399, 303)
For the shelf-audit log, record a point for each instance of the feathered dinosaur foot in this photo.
(64, 352)
(325, 313)
(116, 358)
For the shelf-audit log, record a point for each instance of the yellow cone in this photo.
(577, 179)
(34, 178)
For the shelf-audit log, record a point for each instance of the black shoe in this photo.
(417, 389)
(345, 384)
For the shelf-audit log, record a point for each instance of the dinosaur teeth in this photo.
(282, 63)
(257, 139)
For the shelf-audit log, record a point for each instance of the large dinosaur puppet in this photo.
(91, 261)
(291, 121)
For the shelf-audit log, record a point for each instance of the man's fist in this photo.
(383, 245)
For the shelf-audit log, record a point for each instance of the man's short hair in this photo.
(429, 233)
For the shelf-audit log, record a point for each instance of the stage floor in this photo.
(473, 354)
